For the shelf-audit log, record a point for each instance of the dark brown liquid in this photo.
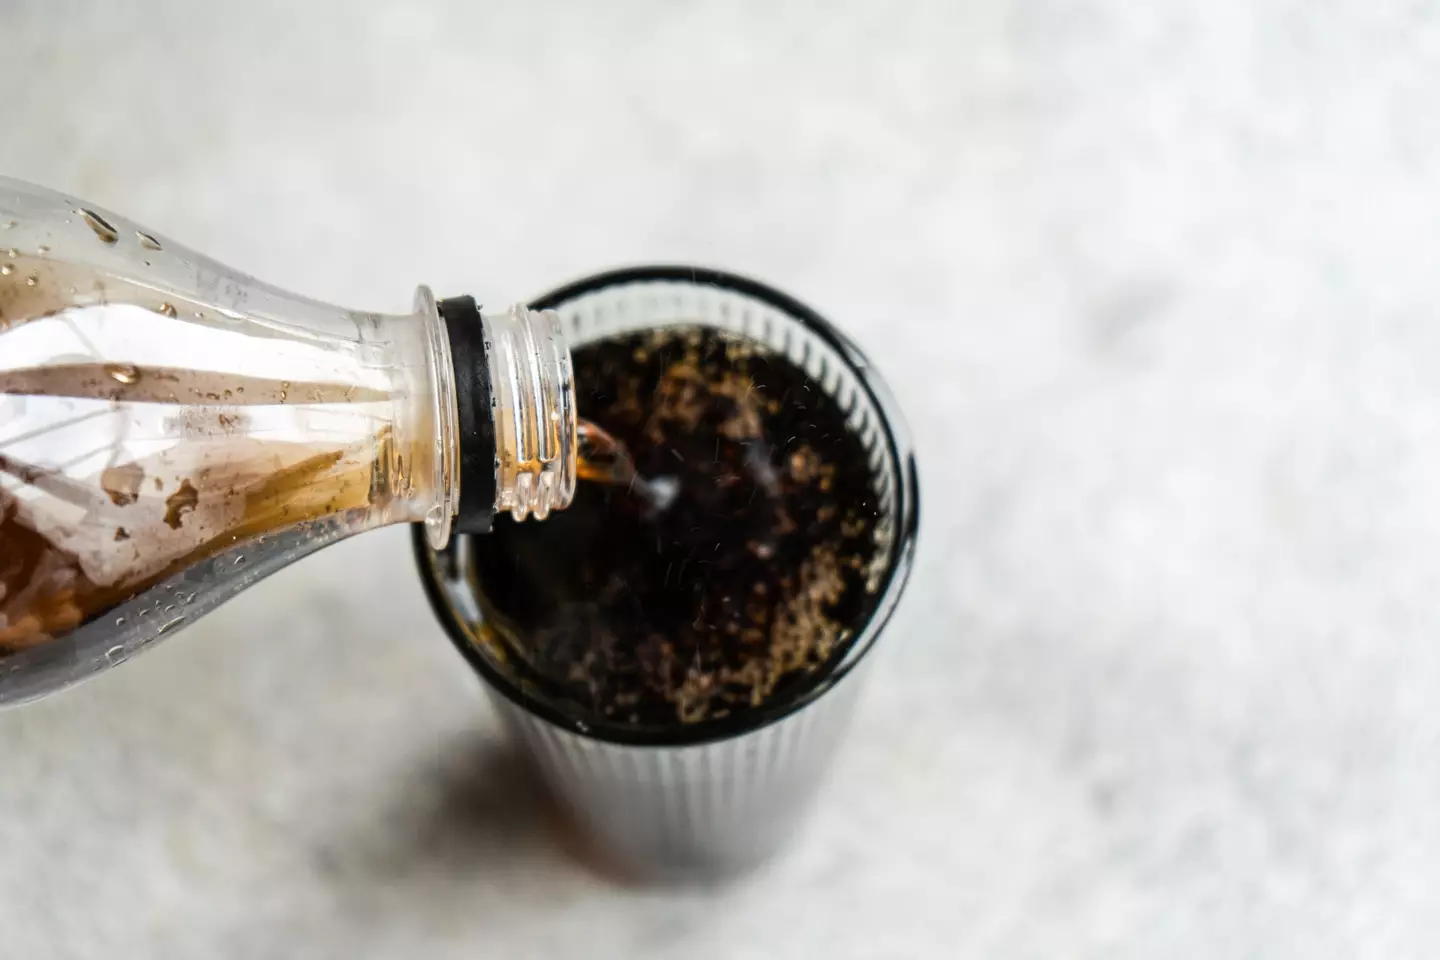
(603, 459)
(45, 590)
(731, 595)
(600, 457)
(100, 540)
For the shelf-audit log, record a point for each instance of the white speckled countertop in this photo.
(1157, 284)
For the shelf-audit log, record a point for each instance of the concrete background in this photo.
(1157, 284)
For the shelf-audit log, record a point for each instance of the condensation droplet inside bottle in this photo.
(147, 241)
(42, 249)
(115, 654)
(6, 269)
(102, 228)
(125, 373)
(32, 280)
(167, 310)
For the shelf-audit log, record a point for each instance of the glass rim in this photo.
(907, 512)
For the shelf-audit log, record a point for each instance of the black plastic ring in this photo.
(476, 421)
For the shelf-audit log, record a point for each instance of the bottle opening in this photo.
(532, 405)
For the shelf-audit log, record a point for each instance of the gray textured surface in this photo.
(1157, 284)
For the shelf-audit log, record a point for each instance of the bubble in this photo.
(102, 228)
(125, 373)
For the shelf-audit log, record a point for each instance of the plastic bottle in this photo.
(171, 431)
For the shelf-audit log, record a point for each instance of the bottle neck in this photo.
(506, 399)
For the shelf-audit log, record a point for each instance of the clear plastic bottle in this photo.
(172, 431)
